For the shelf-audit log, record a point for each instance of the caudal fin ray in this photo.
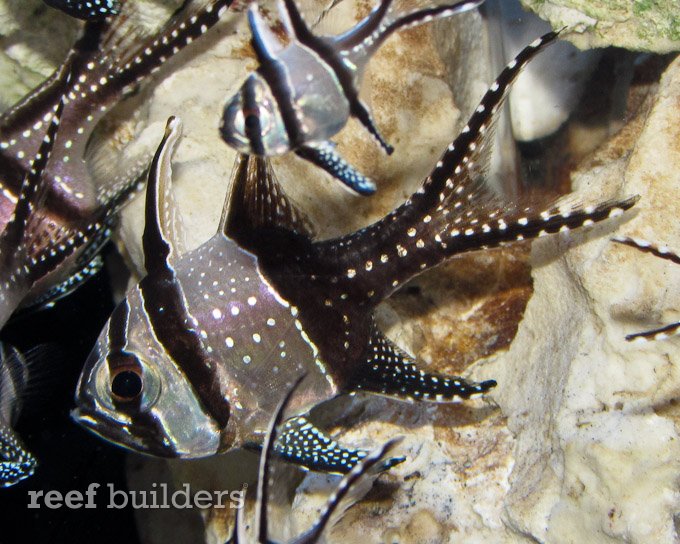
(455, 210)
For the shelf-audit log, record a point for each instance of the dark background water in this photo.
(69, 457)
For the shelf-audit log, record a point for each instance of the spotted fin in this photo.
(455, 211)
(363, 40)
(89, 10)
(65, 288)
(325, 156)
(363, 468)
(390, 371)
(662, 252)
(256, 203)
(162, 239)
(16, 462)
(301, 443)
(17, 268)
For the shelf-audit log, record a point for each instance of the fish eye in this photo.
(127, 384)
(252, 121)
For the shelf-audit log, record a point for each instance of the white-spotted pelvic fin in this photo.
(21, 380)
(368, 465)
(663, 252)
(89, 10)
(304, 92)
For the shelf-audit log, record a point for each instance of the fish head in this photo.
(252, 122)
(131, 394)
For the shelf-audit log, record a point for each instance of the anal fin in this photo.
(390, 371)
(301, 443)
(325, 157)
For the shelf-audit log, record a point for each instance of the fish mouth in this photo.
(116, 432)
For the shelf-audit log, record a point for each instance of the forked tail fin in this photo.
(454, 211)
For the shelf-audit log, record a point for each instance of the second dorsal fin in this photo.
(256, 202)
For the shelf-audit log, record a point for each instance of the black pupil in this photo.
(251, 121)
(126, 384)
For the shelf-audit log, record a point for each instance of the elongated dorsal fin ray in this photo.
(32, 195)
(256, 202)
(24, 125)
(367, 26)
(187, 25)
(366, 40)
(264, 41)
(294, 23)
(162, 230)
(663, 252)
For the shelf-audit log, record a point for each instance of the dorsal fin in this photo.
(256, 202)
(365, 27)
(162, 238)
(294, 23)
(364, 39)
(264, 41)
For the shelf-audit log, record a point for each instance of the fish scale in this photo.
(77, 214)
(208, 342)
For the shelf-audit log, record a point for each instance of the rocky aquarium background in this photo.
(579, 442)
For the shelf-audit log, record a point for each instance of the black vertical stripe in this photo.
(146, 425)
(250, 108)
(274, 73)
(170, 321)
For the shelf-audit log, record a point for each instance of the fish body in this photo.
(89, 10)
(80, 197)
(297, 305)
(16, 462)
(304, 92)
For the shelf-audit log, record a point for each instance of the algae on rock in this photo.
(640, 25)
